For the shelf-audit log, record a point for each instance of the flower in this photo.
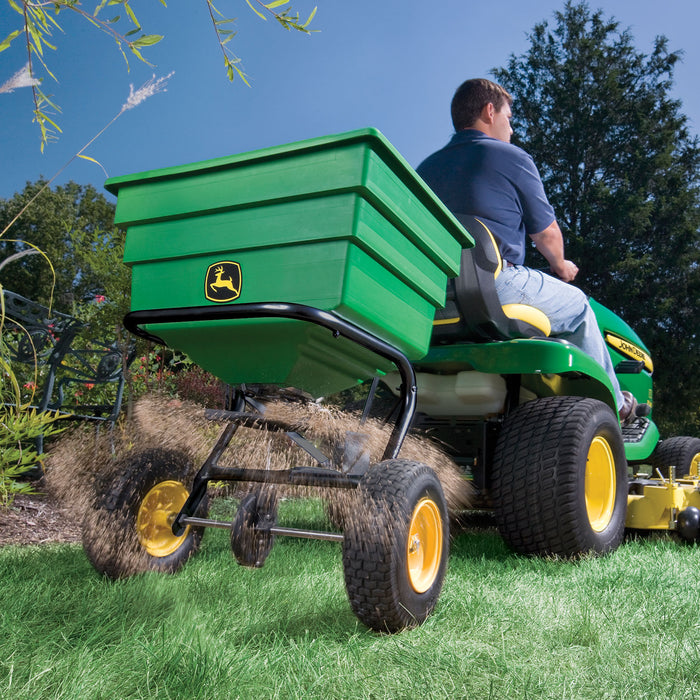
(22, 78)
(148, 89)
(99, 298)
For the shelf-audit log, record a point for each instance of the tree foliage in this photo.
(621, 170)
(74, 227)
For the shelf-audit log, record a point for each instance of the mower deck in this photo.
(660, 504)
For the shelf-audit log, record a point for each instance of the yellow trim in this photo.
(155, 517)
(496, 248)
(600, 484)
(446, 321)
(625, 347)
(424, 546)
(529, 314)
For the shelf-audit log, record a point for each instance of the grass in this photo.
(624, 626)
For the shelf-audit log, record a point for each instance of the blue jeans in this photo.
(567, 309)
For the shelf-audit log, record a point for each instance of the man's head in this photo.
(480, 104)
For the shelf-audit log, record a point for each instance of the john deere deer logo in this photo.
(223, 281)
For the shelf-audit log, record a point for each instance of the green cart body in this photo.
(340, 224)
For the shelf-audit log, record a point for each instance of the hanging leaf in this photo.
(8, 40)
(131, 14)
(257, 12)
(311, 16)
(92, 160)
(148, 40)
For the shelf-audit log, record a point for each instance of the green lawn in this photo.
(624, 626)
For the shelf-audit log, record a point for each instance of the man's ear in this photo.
(487, 113)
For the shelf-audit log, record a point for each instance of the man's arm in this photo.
(550, 243)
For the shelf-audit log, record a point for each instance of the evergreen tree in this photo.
(620, 168)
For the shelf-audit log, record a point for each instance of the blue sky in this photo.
(389, 64)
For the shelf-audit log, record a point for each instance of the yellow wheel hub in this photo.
(154, 520)
(424, 547)
(600, 484)
(694, 469)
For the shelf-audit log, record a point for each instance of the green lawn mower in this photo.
(321, 265)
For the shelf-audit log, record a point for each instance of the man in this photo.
(479, 172)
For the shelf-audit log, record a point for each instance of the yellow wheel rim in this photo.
(155, 518)
(600, 484)
(424, 547)
(694, 468)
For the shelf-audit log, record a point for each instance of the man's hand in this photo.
(550, 243)
(566, 270)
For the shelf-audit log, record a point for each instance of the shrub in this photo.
(20, 428)
(196, 384)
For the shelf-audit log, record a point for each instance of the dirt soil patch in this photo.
(37, 519)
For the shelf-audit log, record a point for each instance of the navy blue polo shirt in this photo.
(496, 181)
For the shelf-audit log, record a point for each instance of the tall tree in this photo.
(621, 170)
(51, 224)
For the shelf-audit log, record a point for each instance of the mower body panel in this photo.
(547, 367)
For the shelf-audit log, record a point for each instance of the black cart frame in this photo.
(296, 476)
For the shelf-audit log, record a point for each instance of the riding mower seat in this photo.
(472, 310)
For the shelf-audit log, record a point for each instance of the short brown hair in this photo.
(472, 96)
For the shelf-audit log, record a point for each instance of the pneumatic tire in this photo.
(127, 528)
(560, 478)
(396, 545)
(681, 452)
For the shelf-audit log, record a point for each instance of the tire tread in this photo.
(536, 480)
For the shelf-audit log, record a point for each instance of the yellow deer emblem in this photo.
(223, 281)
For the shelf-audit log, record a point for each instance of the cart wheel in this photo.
(128, 528)
(396, 546)
(251, 545)
(560, 478)
(683, 453)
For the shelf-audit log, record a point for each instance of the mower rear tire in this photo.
(560, 478)
(396, 545)
(681, 452)
(127, 528)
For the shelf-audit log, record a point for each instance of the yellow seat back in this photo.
(529, 314)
